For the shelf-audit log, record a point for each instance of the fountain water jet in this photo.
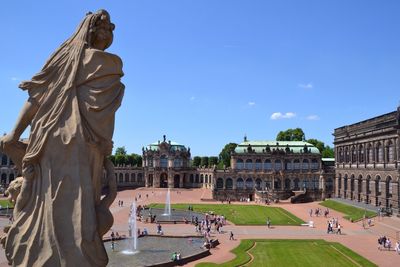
(167, 210)
(132, 230)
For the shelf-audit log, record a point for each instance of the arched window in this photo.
(340, 181)
(296, 184)
(278, 165)
(287, 183)
(258, 184)
(305, 165)
(314, 164)
(361, 154)
(390, 152)
(345, 182)
(239, 164)
(140, 177)
(249, 183)
(340, 155)
(239, 183)
(329, 184)
(296, 164)
(370, 154)
(133, 177)
(388, 187)
(4, 160)
(378, 188)
(229, 183)
(288, 165)
(177, 163)
(267, 165)
(121, 178)
(258, 164)
(197, 178)
(206, 177)
(220, 183)
(352, 183)
(150, 162)
(126, 177)
(163, 161)
(249, 164)
(191, 178)
(379, 153)
(277, 183)
(315, 182)
(201, 178)
(3, 178)
(353, 154)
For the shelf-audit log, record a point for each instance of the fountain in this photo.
(167, 210)
(132, 230)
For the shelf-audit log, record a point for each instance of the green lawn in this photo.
(352, 213)
(5, 202)
(243, 214)
(292, 253)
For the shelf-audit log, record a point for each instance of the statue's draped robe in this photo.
(57, 226)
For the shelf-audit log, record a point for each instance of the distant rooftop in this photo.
(261, 146)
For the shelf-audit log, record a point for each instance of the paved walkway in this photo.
(362, 241)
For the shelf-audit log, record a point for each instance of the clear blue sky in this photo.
(207, 72)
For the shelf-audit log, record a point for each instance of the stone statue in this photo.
(60, 216)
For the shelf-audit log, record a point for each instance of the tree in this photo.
(328, 152)
(196, 161)
(296, 134)
(212, 161)
(120, 151)
(204, 161)
(225, 155)
(318, 144)
(120, 160)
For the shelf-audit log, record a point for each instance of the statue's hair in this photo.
(98, 23)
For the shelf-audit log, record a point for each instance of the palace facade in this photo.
(259, 169)
(367, 161)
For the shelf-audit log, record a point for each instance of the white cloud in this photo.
(192, 98)
(312, 117)
(14, 79)
(305, 85)
(279, 115)
(252, 104)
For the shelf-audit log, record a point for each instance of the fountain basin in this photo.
(177, 216)
(156, 251)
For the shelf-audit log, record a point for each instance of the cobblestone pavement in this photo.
(355, 236)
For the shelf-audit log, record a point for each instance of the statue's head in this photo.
(101, 30)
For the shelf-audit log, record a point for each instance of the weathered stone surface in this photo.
(59, 216)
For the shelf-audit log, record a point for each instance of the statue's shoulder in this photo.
(95, 56)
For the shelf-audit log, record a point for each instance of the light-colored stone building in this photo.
(367, 161)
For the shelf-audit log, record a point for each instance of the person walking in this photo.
(231, 236)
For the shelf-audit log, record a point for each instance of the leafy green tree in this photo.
(328, 152)
(112, 158)
(204, 161)
(225, 155)
(318, 144)
(296, 134)
(134, 160)
(120, 160)
(212, 161)
(120, 151)
(196, 161)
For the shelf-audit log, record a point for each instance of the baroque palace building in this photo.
(259, 169)
(367, 161)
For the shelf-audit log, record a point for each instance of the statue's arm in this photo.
(25, 117)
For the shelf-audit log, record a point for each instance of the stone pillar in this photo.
(322, 186)
(170, 180)
(364, 193)
(181, 180)
(234, 183)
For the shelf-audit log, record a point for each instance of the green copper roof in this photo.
(174, 146)
(260, 146)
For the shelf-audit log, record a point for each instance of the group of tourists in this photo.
(318, 212)
(334, 224)
(385, 243)
(176, 256)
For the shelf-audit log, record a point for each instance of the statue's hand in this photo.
(7, 140)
